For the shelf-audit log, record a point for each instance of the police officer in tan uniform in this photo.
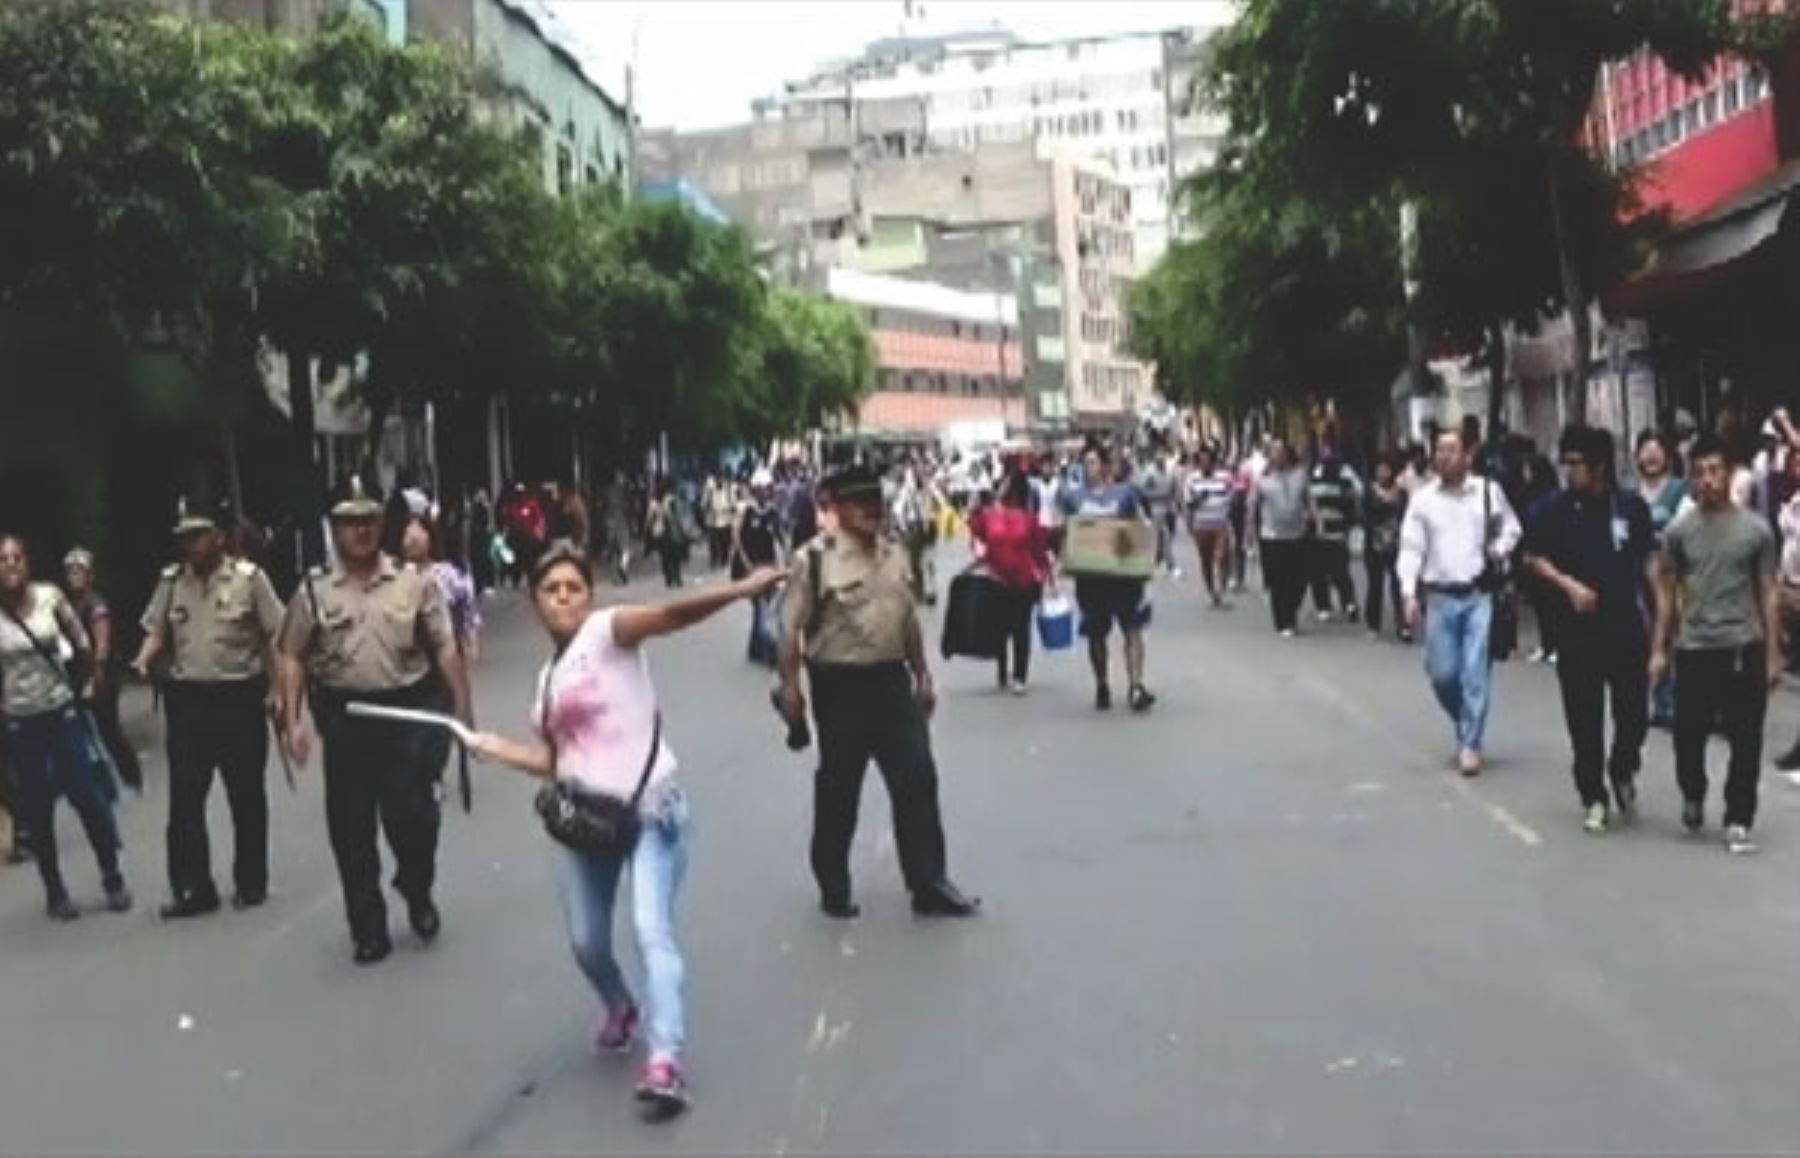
(853, 624)
(370, 630)
(215, 618)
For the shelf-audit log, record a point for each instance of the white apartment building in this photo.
(1106, 99)
(1095, 245)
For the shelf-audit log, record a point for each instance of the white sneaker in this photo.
(1018, 688)
(1738, 841)
(1538, 656)
(1322, 616)
(1596, 819)
(1287, 633)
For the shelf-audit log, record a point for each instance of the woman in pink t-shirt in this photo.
(596, 719)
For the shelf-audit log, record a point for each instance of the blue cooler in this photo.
(1056, 623)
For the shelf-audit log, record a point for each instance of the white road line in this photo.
(1361, 717)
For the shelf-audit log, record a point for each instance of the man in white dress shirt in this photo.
(1457, 534)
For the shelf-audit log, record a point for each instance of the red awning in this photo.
(1712, 250)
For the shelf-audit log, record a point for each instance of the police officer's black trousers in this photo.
(220, 727)
(1588, 667)
(865, 712)
(380, 772)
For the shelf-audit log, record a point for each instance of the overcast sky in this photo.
(700, 63)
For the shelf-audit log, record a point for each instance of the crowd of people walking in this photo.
(1669, 602)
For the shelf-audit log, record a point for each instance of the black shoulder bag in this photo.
(591, 822)
(1503, 628)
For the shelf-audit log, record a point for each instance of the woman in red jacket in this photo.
(1016, 551)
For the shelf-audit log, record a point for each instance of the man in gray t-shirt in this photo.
(1718, 583)
(1725, 562)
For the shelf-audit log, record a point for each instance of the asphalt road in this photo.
(1266, 919)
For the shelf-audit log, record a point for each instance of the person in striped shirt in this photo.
(1207, 497)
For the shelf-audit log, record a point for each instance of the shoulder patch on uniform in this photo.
(245, 568)
(172, 571)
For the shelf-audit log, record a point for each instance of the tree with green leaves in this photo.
(1274, 304)
(817, 363)
(1476, 111)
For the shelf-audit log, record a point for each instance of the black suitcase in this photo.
(971, 619)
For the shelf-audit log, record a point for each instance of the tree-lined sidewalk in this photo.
(201, 194)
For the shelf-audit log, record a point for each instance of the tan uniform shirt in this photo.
(367, 637)
(214, 629)
(865, 602)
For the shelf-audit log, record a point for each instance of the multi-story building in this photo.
(1104, 98)
(1095, 250)
(947, 360)
(549, 87)
(789, 177)
(1711, 313)
(1196, 131)
(1701, 140)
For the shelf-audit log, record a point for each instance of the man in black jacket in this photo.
(1591, 547)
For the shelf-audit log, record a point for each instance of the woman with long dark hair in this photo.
(599, 732)
(47, 735)
(1016, 552)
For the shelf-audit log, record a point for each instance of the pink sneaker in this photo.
(662, 1088)
(617, 1031)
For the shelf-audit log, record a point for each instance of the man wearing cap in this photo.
(853, 623)
(369, 630)
(215, 617)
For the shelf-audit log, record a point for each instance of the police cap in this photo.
(356, 503)
(854, 484)
(189, 522)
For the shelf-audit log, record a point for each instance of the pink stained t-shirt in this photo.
(603, 714)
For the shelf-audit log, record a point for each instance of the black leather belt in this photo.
(1459, 590)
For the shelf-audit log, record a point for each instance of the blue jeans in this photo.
(1456, 659)
(53, 755)
(589, 885)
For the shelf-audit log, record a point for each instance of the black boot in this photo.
(199, 904)
(1789, 761)
(373, 949)
(944, 899)
(423, 916)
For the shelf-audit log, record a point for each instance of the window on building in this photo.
(1732, 96)
(1709, 109)
(565, 168)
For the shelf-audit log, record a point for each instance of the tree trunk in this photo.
(234, 476)
(1496, 359)
(306, 500)
(380, 404)
(1574, 292)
